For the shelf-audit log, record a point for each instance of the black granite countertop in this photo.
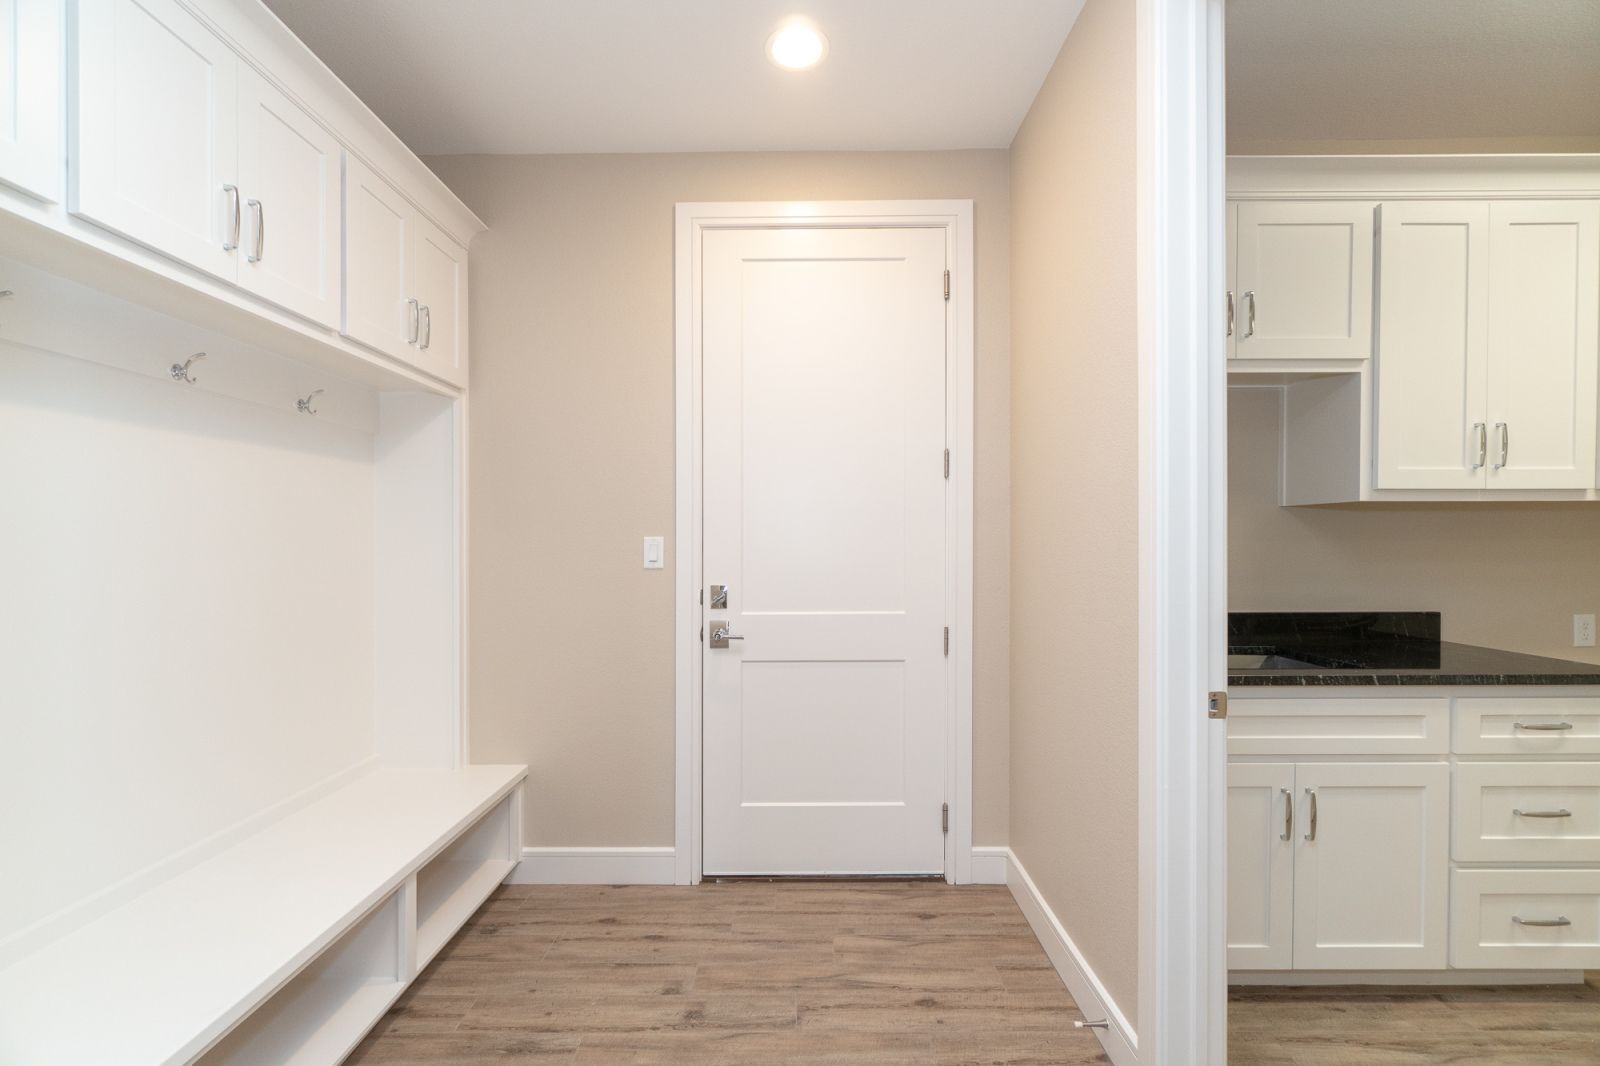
(1383, 649)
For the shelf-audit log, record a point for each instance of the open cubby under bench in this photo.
(285, 948)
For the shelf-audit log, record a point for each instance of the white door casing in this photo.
(824, 380)
(951, 221)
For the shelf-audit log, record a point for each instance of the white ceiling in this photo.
(537, 76)
(1378, 70)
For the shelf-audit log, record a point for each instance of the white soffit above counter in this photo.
(562, 76)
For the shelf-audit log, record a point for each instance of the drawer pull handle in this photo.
(1312, 835)
(1545, 727)
(1288, 814)
(1562, 813)
(1543, 923)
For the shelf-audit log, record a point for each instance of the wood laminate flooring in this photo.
(875, 974)
(1557, 1025)
(795, 973)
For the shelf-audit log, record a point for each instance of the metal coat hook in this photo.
(180, 371)
(304, 406)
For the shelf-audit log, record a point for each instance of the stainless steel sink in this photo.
(1268, 662)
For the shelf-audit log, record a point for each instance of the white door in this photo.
(1433, 342)
(1371, 868)
(30, 96)
(379, 228)
(1304, 281)
(824, 510)
(1260, 866)
(439, 281)
(289, 175)
(1544, 313)
(155, 151)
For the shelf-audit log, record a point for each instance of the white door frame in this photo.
(693, 219)
(1183, 533)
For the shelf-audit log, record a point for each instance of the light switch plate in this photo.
(1583, 631)
(655, 553)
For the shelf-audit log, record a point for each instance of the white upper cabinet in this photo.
(440, 272)
(289, 177)
(1544, 313)
(1487, 345)
(155, 156)
(1303, 281)
(379, 227)
(31, 158)
(1433, 345)
(405, 279)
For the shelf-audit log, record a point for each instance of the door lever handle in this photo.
(721, 633)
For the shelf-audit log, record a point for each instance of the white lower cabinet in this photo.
(1261, 866)
(1369, 833)
(1370, 891)
(1512, 919)
(1338, 866)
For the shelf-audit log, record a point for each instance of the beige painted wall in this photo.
(1504, 575)
(572, 464)
(1074, 512)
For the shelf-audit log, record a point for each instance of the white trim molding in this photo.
(1408, 978)
(1413, 177)
(1181, 210)
(595, 866)
(991, 865)
(693, 219)
(1094, 1002)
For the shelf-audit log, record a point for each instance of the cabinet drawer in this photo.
(1492, 909)
(1338, 727)
(1527, 812)
(1527, 726)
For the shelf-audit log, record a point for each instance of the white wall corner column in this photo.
(1182, 550)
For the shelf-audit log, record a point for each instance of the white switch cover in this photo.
(1583, 631)
(655, 553)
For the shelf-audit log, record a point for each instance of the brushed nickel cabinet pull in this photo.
(1312, 835)
(1288, 814)
(1543, 923)
(1562, 813)
(1544, 727)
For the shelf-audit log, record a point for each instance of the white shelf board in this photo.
(473, 887)
(321, 1026)
(170, 971)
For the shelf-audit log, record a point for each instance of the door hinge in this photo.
(947, 464)
(1217, 705)
(944, 819)
(947, 284)
(947, 642)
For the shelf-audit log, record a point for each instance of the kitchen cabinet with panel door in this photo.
(185, 148)
(30, 96)
(405, 279)
(1302, 280)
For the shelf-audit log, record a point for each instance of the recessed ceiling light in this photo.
(797, 45)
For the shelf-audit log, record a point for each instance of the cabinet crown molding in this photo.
(1402, 177)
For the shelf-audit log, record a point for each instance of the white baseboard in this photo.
(1119, 1039)
(1400, 978)
(989, 865)
(595, 866)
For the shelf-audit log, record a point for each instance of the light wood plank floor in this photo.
(739, 974)
(1537, 1026)
(874, 974)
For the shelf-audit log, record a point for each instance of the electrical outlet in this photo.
(1583, 631)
